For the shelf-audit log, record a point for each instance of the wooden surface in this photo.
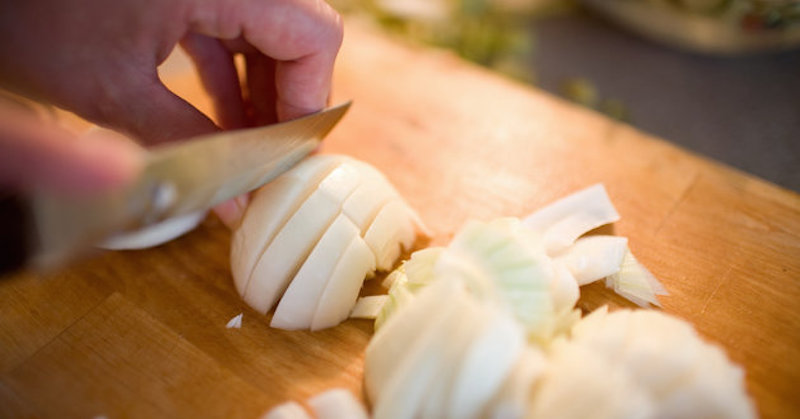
(142, 333)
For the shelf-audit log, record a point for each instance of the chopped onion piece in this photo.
(510, 402)
(235, 322)
(363, 205)
(659, 361)
(486, 364)
(269, 209)
(392, 230)
(298, 304)
(283, 257)
(594, 257)
(337, 403)
(408, 383)
(412, 275)
(368, 307)
(341, 291)
(563, 221)
(501, 260)
(634, 282)
(401, 332)
(287, 410)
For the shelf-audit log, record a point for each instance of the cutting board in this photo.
(142, 333)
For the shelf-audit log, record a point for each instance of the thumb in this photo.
(37, 155)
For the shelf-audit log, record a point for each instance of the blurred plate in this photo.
(696, 31)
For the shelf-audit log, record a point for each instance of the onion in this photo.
(563, 221)
(368, 307)
(310, 238)
(641, 363)
(235, 322)
(337, 403)
(445, 354)
(334, 403)
(287, 410)
(487, 327)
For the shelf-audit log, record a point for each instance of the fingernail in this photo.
(231, 211)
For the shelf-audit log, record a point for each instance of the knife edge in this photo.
(177, 179)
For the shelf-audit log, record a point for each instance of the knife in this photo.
(45, 230)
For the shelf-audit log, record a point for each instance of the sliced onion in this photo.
(235, 322)
(341, 291)
(292, 249)
(292, 244)
(269, 209)
(297, 305)
(287, 410)
(511, 400)
(368, 307)
(634, 282)
(594, 257)
(562, 222)
(337, 403)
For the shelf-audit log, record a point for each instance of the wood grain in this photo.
(142, 333)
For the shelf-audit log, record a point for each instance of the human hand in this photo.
(40, 155)
(99, 59)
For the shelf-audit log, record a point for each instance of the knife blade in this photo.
(178, 178)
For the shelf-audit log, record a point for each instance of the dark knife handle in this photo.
(16, 223)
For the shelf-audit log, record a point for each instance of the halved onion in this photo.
(311, 236)
(563, 221)
(296, 308)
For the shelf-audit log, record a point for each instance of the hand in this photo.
(35, 154)
(98, 58)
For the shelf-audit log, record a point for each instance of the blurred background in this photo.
(718, 77)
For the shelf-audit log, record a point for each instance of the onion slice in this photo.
(563, 221)
(287, 410)
(594, 257)
(283, 257)
(268, 211)
(368, 307)
(337, 403)
(292, 247)
(298, 304)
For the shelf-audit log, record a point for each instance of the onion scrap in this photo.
(487, 327)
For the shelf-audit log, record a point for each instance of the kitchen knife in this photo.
(178, 178)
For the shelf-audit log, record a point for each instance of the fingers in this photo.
(231, 212)
(138, 104)
(40, 156)
(261, 88)
(303, 36)
(217, 71)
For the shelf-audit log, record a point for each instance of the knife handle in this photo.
(15, 232)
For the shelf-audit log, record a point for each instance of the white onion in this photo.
(310, 238)
(337, 403)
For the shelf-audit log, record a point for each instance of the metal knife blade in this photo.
(178, 178)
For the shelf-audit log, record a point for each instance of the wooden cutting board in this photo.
(142, 333)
